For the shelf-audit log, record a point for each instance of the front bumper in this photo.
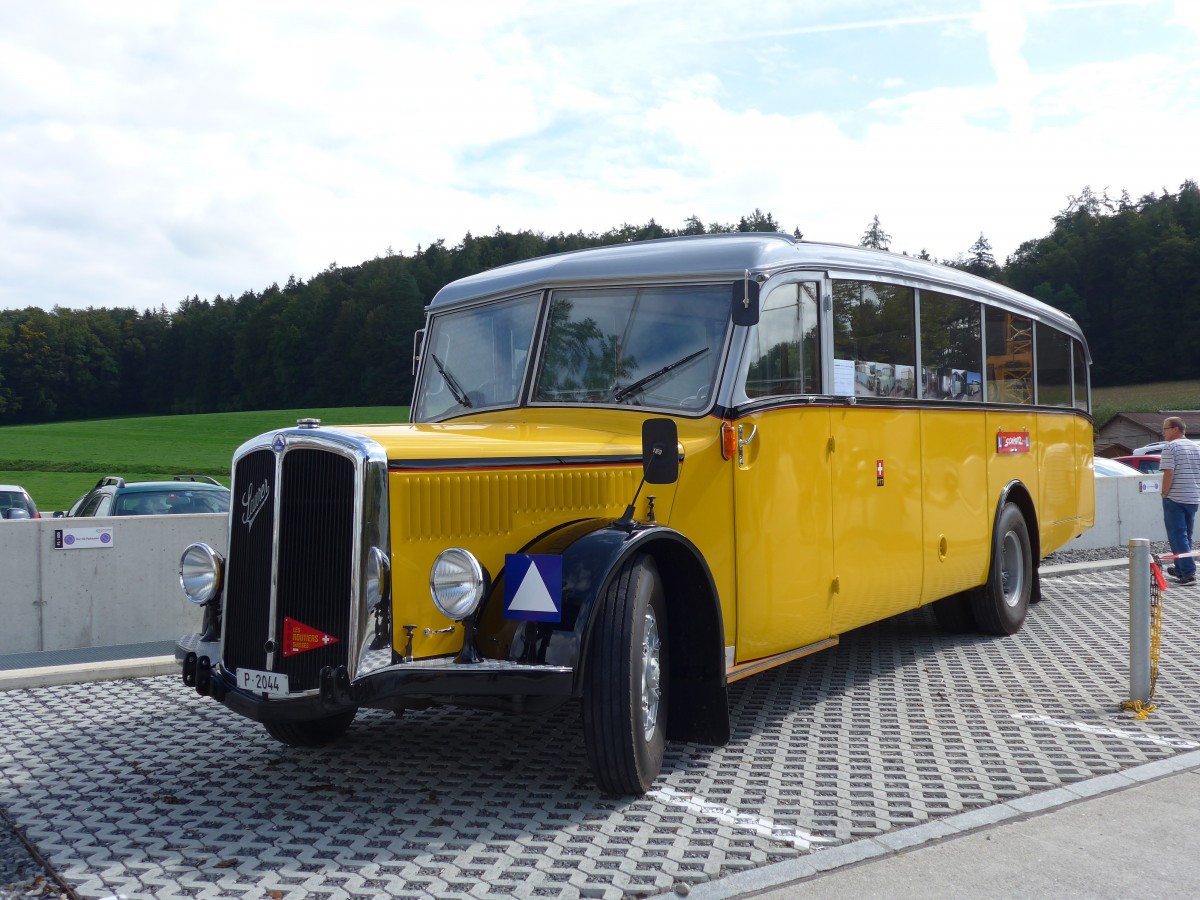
(440, 680)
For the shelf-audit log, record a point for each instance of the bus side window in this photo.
(1053, 367)
(1009, 339)
(785, 358)
(1079, 375)
(951, 348)
(873, 328)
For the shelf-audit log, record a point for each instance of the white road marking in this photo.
(727, 815)
(1103, 584)
(1111, 732)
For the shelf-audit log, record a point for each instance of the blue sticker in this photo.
(533, 587)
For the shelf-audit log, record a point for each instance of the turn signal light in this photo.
(728, 440)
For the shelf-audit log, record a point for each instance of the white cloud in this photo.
(1187, 14)
(154, 151)
(1003, 23)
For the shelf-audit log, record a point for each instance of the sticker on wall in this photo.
(83, 538)
(1012, 441)
(533, 587)
(879, 473)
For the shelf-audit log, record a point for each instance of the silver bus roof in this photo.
(719, 257)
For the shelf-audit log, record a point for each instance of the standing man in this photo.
(1180, 466)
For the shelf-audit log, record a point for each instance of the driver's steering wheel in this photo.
(695, 400)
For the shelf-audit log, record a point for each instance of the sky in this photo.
(155, 151)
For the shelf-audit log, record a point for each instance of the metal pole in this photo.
(1139, 620)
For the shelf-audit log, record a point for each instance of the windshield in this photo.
(628, 346)
(475, 358)
(638, 346)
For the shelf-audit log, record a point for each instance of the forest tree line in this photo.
(1127, 270)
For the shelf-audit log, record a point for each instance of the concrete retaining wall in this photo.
(1126, 508)
(127, 591)
(123, 591)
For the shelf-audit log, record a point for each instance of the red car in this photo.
(1147, 462)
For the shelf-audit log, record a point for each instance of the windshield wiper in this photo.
(621, 393)
(455, 388)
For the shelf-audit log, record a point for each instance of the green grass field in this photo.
(1107, 402)
(59, 462)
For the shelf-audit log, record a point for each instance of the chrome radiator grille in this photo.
(305, 550)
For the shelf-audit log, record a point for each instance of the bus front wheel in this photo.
(625, 695)
(1001, 604)
(312, 733)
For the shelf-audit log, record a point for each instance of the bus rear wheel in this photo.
(1001, 604)
(626, 690)
(312, 733)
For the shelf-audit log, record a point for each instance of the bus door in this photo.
(877, 513)
(958, 511)
(876, 453)
(781, 483)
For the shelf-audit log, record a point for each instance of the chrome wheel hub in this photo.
(651, 675)
(1012, 569)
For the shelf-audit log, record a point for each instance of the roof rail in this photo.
(206, 479)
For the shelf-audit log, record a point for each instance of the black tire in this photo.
(1001, 604)
(954, 614)
(626, 685)
(313, 732)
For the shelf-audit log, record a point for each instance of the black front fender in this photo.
(592, 552)
(590, 549)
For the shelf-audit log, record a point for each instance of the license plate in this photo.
(270, 683)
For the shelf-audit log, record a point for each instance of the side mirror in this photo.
(745, 300)
(16, 513)
(660, 451)
(418, 344)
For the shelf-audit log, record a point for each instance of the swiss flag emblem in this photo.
(299, 638)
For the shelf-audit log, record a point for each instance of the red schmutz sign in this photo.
(300, 638)
(1012, 442)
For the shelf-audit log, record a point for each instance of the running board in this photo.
(737, 673)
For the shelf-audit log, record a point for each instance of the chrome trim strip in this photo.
(276, 512)
(745, 670)
(443, 663)
(511, 462)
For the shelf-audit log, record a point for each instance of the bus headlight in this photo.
(200, 572)
(456, 583)
(377, 578)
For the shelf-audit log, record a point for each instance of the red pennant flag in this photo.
(299, 638)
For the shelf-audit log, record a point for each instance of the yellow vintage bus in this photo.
(637, 473)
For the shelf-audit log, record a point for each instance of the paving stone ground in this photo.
(144, 790)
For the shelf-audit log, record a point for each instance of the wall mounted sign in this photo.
(83, 538)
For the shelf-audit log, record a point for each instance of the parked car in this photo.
(1106, 467)
(182, 494)
(1156, 447)
(1146, 462)
(15, 503)
(1152, 447)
